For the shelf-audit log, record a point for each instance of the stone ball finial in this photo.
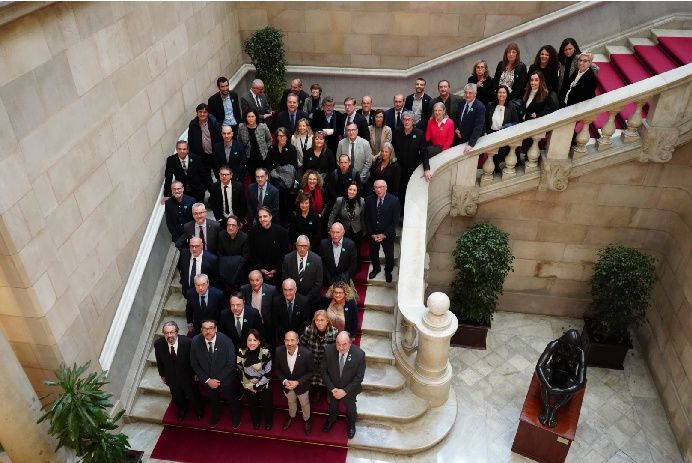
(438, 303)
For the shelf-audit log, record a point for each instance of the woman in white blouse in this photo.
(500, 115)
(302, 139)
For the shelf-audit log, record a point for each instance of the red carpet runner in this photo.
(192, 441)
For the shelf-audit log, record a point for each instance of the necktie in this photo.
(226, 207)
(184, 161)
(379, 203)
(210, 349)
(238, 326)
(290, 310)
(301, 268)
(193, 271)
(342, 361)
(293, 122)
(173, 356)
(466, 107)
(259, 105)
(260, 196)
(353, 149)
(398, 119)
(203, 304)
(201, 236)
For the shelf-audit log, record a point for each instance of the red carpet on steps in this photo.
(196, 446)
(679, 47)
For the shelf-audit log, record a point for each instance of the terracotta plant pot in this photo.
(471, 336)
(602, 354)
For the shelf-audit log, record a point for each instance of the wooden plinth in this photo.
(538, 442)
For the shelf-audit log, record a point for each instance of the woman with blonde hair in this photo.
(316, 337)
(341, 307)
(302, 139)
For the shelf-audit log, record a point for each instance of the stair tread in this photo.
(379, 279)
(383, 376)
(151, 382)
(380, 298)
(654, 57)
(175, 303)
(401, 405)
(150, 408)
(671, 33)
(378, 322)
(630, 67)
(618, 49)
(678, 47)
(637, 41)
(377, 348)
(608, 77)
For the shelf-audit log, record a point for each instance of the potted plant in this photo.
(482, 259)
(79, 419)
(266, 51)
(620, 292)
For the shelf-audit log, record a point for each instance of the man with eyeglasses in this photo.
(352, 117)
(226, 197)
(262, 193)
(194, 261)
(358, 150)
(305, 267)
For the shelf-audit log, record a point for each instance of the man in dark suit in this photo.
(339, 256)
(200, 227)
(352, 117)
(291, 311)
(186, 168)
(305, 267)
(225, 105)
(230, 153)
(295, 368)
(340, 178)
(392, 116)
(226, 197)
(343, 369)
(411, 150)
(366, 110)
(418, 102)
(450, 101)
(178, 210)
(290, 117)
(241, 318)
(194, 261)
(203, 302)
(471, 120)
(203, 132)
(262, 296)
(381, 219)
(330, 122)
(269, 196)
(213, 359)
(296, 89)
(256, 101)
(173, 362)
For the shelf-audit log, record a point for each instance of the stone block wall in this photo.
(555, 237)
(384, 34)
(92, 99)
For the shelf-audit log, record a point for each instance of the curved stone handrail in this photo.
(668, 89)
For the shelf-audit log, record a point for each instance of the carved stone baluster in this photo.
(533, 154)
(607, 131)
(488, 169)
(582, 139)
(633, 123)
(510, 163)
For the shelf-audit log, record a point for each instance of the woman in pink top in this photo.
(440, 132)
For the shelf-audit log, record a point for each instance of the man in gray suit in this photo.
(305, 267)
(261, 296)
(213, 359)
(256, 101)
(343, 369)
(358, 150)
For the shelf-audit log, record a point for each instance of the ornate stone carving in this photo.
(555, 174)
(408, 341)
(659, 144)
(464, 201)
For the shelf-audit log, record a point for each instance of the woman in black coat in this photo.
(567, 57)
(511, 72)
(581, 85)
(485, 87)
(538, 101)
(546, 62)
(500, 115)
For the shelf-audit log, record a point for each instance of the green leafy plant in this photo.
(482, 259)
(266, 50)
(620, 291)
(79, 419)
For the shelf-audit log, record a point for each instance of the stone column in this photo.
(433, 374)
(21, 437)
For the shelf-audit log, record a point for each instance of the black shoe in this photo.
(200, 415)
(267, 427)
(307, 426)
(374, 273)
(351, 431)
(255, 426)
(328, 426)
(388, 277)
(287, 423)
(214, 421)
(236, 423)
(181, 415)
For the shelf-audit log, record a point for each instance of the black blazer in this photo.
(348, 261)
(451, 105)
(390, 174)
(410, 151)
(585, 88)
(215, 104)
(237, 160)
(237, 201)
(193, 311)
(211, 238)
(251, 320)
(248, 103)
(388, 217)
(425, 115)
(486, 93)
(472, 124)
(390, 118)
(300, 317)
(302, 96)
(192, 180)
(194, 135)
(269, 296)
(283, 120)
(351, 377)
(511, 116)
(271, 200)
(303, 370)
(519, 84)
(210, 267)
(175, 221)
(541, 108)
(336, 123)
(178, 372)
(221, 365)
(359, 120)
(371, 116)
(311, 283)
(550, 76)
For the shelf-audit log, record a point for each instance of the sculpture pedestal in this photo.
(538, 442)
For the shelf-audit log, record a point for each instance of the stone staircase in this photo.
(390, 415)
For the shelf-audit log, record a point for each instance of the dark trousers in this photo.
(388, 246)
(182, 394)
(230, 393)
(349, 402)
(261, 406)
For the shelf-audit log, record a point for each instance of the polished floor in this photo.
(622, 419)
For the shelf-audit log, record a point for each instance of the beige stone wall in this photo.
(92, 98)
(555, 236)
(383, 34)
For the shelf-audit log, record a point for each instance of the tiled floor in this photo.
(622, 420)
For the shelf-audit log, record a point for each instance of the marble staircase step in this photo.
(380, 298)
(175, 304)
(406, 438)
(378, 322)
(152, 384)
(379, 279)
(383, 377)
(399, 406)
(149, 408)
(377, 348)
(176, 287)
